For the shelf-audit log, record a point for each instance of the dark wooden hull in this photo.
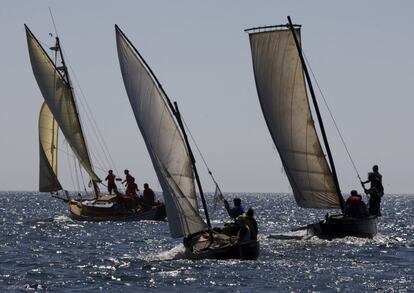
(245, 251)
(223, 247)
(340, 226)
(108, 209)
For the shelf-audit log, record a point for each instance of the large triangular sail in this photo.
(48, 141)
(283, 98)
(163, 139)
(59, 98)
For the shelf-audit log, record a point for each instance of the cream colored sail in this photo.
(60, 100)
(48, 141)
(283, 98)
(163, 140)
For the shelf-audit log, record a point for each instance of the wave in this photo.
(177, 252)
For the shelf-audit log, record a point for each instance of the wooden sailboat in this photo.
(280, 73)
(59, 111)
(165, 137)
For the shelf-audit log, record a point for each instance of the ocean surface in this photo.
(43, 250)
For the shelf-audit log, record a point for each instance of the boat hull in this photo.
(222, 247)
(340, 226)
(110, 209)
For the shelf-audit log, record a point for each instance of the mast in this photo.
(318, 114)
(200, 188)
(58, 48)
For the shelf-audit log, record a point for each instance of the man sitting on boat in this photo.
(237, 209)
(376, 191)
(111, 182)
(148, 197)
(355, 207)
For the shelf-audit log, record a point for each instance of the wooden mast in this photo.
(190, 152)
(66, 76)
(318, 114)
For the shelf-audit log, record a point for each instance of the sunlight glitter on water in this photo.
(42, 249)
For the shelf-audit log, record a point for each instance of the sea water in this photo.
(43, 250)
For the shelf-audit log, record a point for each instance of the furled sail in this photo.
(48, 140)
(163, 139)
(283, 98)
(58, 96)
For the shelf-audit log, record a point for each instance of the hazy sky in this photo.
(360, 51)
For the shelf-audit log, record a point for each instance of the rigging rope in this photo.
(68, 159)
(53, 20)
(76, 174)
(199, 151)
(99, 138)
(90, 117)
(332, 117)
(82, 179)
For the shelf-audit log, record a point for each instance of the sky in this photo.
(360, 52)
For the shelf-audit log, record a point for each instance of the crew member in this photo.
(237, 209)
(148, 197)
(244, 234)
(376, 191)
(251, 222)
(131, 187)
(355, 206)
(111, 182)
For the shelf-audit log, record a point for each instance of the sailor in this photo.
(244, 234)
(148, 197)
(251, 222)
(376, 191)
(111, 182)
(131, 187)
(237, 209)
(355, 206)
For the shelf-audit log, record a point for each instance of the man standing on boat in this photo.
(244, 234)
(251, 222)
(237, 209)
(376, 191)
(131, 187)
(111, 182)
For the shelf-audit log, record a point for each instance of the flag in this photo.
(218, 196)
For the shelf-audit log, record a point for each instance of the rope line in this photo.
(53, 20)
(82, 178)
(68, 157)
(199, 151)
(89, 115)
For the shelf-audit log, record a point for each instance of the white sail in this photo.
(283, 98)
(48, 140)
(59, 98)
(163, 140)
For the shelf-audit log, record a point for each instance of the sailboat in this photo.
(280, 71)
(166, 140)
(59, 111)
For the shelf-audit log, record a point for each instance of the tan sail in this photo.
(48, 141)
(283, 98)
(163, 140)
(59, 98)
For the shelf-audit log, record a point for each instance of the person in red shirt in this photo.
(149, 197)
(131, 187)
(355, 206)
(111, 182)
